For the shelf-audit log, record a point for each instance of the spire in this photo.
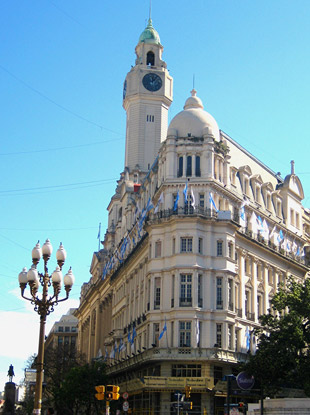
(292, 167)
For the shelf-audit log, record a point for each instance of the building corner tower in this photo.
(147, 96)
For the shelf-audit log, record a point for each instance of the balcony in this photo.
(250, 316)
(185, 301)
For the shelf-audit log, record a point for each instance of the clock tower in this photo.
(147, 97)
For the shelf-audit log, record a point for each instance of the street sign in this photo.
(178, 394)
(125, 395)
(125, 406)
(245, 381)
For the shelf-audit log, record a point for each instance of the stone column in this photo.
(266, 288)
(254, 291)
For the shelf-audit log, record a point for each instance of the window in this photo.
(150, 58)
(60, 329)
(292, 217)
(67, 338)
(230, 295)
(186, 371)
(180, 169)
(188, 166)
(259, 306)
(247, 302)
(185, 333)
(172, 291)
(73, 329)
(73, 342)
(297, 220)
(200, 245)
(156, 334)
(157, 294)
(230, 336)
(237, 331)
(157, 249)
(202, 200)
(219, 335)
(173, 245)
(219, 293)
(67, 329)
(60, 341)
(218, 373)
(230, 250)
(197, 167)
(219, 248)
(186, 244)
(188, 208)
(186, 290)
(199, 290)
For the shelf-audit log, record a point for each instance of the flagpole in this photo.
(166, 334)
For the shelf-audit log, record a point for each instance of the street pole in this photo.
(44, 305)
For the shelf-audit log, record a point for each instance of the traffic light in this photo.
(188, 391)
(115, 392)
(191, 405)
(112, 392)
(242, 407)
(100, 394)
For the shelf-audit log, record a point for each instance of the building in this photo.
(63, 333)
(200, 233)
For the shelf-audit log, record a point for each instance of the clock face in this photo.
(125, 89)
(152, 82)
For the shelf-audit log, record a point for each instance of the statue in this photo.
(11, 373)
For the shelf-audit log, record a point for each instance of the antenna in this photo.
(193, 81)
(150, 15)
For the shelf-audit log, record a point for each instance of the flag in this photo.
(212, 203)
(260, 226)
(193, 197)
(280, 236)
(265, 231)
(185, 193)
(129, 337)
(248, 338)
(134, 334)
(272, 232)
(106, 353)
(160, 200)
(149, 205)
(121, 346)
(112, 354)
(242, 216)
(197, 332)
(176, 201)
(254, 222)
(99, 231)
(163, 331)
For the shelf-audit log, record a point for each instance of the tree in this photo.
(283, 356)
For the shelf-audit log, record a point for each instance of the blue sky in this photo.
(62, 69)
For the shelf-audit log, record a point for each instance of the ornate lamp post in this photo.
(44, 305)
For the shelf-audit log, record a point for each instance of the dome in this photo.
(193, 120)
(149, 35)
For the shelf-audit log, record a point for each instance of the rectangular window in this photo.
(180, 167)
(186, 244)
(219, 335)
(199, 290)
(188, 166)
(60, 329)
(219, 248)
(186, 290)
(67, 329)
(200, 245)
(185, 333)
(186, 371)
(297, 220)
(73, 329)
(230, 295)
(172, 291)
(156, 334)
(173, 246)
(230, 250)
(60, 341)
(230, 336)
(259, 306)
(157, 294)
(201, 200)
(219, 293)
(197, 167)
(157, 249)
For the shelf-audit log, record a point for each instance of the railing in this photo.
(231, 306)
(185, 301)
(219, 304)
(250, 316)
(184, 210)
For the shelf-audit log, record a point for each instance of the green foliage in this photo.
(282, 358)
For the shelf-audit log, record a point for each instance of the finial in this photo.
(292, 167)
(193, 92)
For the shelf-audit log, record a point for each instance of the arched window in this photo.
(150, 59)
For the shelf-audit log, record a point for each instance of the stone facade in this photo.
(195, 248)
